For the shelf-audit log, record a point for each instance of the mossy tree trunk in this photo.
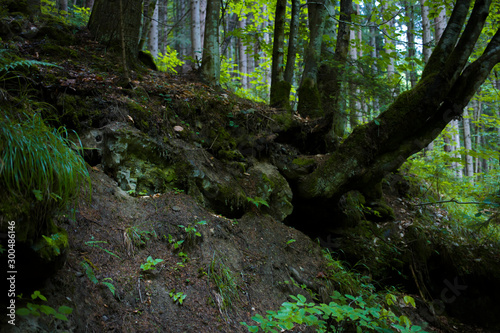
(309, 98)
(417, 116)
(104, 24)
(332, 74)
(279, 89)
(210, 64)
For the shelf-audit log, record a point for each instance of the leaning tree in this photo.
(417, 116)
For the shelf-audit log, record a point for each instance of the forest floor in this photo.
(230, 271)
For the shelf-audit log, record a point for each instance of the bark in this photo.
(469, 164)
(456, 166)
(153, 33)
(292, 42)
(279, 88)
(330, 78)
(243, 56)
(411, 41)
(426, 31)
(196, 47)
(149, 9)
(210, 65)
(309, 98)
(417, 116)
(104, 24)
(89, 3)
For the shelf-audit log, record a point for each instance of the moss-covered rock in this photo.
(280, 95)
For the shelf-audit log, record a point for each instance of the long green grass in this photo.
(38, 164)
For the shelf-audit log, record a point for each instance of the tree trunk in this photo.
(309, 97)
(417, 116)
(410, 35)
(153, 32)
(104, 24)
(148, 13)
(196, 48)
(456, 166)
(292, 42)
(210, 65)
(330, 78)
(280, 89)
(89, 4)
(426, 40)
(243, 56)
(469, 166)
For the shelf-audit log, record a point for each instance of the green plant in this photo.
(177, 297)
(39, 167)
(176, 244)
(257, 201)
(191, 232)
(168, 61)
(225, 283)
(343, 312)
(290, 241)
(91, 275)
(150, 264)
(93, 243)
(36, 309)
(139, 236)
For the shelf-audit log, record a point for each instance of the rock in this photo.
(273, 188)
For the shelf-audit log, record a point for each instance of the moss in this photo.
(74, 111)
(230, 155)
(309, 100)
(147, 59)
(58, 51)
(303, 161)
(284, 120)
(280, 95)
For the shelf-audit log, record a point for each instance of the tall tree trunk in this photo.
(196, 48)
(426, 40)
(149, 9)
(280, 89)
(89, 4)
(354, 105)
(153, 32)
(469, 166)
(309, 97)
(163, 22)
(292, 42)
(410, 35)
(457, 166)
(243, 56)
(416, 117)
(210, 65)
(330, 78)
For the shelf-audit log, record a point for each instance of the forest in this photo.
(250, 166)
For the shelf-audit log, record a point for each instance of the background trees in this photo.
(342, 61)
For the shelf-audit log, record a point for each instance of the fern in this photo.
(28, 63)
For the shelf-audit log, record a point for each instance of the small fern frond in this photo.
(29, 63)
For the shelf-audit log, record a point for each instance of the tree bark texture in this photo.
(417, 116)
(210, 65)
(280, 90)
(309, 98)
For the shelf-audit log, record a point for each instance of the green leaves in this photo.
(36, 309)
(150, 263)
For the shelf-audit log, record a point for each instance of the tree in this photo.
(280, 89)
(469, 166)
(104, 24)
(417, 116)
(309, 98)
(210, 64)
(196, 45)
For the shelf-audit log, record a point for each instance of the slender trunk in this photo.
(280, 89)
(292, 42)
(149, 9)
(126, 74)
(196, 49)
(89, 3)
(410, 35)
(153, 33)
(309, 98)
(469, 170)
(243, 56)
(426, 40)
(354, 105)
(210, 66)
(457, 166)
